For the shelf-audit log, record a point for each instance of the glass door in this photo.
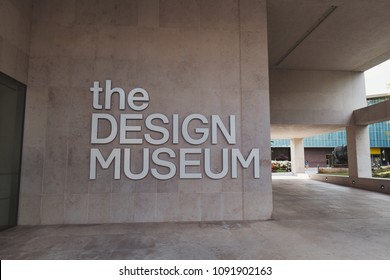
(12, 101)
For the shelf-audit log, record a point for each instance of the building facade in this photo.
(164, 110)
(83, 60)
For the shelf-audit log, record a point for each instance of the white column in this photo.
(358, 142)
(297, 156)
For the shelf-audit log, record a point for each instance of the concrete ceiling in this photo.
(346, 35)
(280, 131)
(351, 35)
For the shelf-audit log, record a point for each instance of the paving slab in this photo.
(311, 220)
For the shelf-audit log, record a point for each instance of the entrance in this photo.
(12, 100)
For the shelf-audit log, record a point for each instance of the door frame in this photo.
(20, 88)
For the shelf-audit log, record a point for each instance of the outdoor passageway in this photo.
(312, 220)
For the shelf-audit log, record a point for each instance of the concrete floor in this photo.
(312, 220)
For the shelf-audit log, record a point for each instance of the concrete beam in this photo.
(372, 114)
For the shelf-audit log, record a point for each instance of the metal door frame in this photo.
(20, 90)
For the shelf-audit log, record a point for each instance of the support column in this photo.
(358, 142)
(297, 156)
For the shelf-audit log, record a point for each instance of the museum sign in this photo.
(135, 130)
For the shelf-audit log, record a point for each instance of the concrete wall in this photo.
(370, 184)
(315, 97)
(15, 38)
(207, 57)
(372, 114)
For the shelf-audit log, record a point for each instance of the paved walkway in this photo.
(312, 220)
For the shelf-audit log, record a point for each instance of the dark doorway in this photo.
(12, 101)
